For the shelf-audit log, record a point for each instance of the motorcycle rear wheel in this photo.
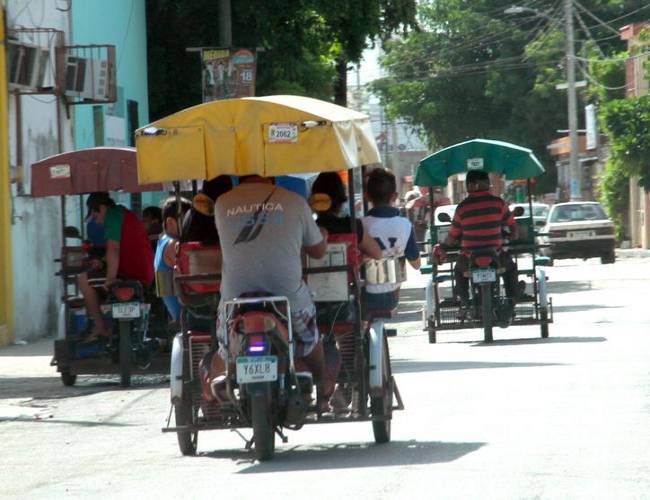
(68, 378)
(382, 406)
(125, 353)
(263, 429)
(187, 441)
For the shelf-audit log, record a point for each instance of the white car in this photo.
(540, 212)
(579, 230)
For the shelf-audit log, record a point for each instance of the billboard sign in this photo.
(227, 73)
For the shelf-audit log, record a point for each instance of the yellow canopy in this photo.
(268, 136)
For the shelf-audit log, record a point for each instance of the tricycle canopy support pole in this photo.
(534, 253)
(179, 208)
(431, 221)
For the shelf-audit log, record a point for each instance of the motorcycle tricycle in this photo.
(135, 316)
(265, 387)
(489, 304)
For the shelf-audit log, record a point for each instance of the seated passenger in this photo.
(263, 230)
(198, 223)
(165, 257)
(152, 221)
(128, 253)
(393, 233)
(329, 214)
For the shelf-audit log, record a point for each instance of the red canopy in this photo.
(88, 170)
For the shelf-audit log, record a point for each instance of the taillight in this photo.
(256, 344)
(605, 230)
(556, 234)
(86, 246)
(124, 294)
(483, 261)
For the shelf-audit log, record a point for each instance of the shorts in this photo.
(303, 323)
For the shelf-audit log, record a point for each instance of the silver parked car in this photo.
(579, 230)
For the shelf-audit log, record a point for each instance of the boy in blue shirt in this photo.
(165, 257)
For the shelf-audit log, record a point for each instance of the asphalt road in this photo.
(566, 417)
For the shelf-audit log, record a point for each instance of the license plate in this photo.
(251, 369)
(488, 275)
(126, 310)
(580, 235)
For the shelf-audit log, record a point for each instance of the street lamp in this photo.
(517, 9)
(572, 101)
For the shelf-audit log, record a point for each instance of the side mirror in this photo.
(444, 217)
(71, 232)
(519, 211)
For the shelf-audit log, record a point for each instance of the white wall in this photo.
(36, 223)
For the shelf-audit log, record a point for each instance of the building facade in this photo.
(637, 84)
(54, 104)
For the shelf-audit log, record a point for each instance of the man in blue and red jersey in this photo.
(478, 225)
(128, 253)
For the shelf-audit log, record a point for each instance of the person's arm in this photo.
(412, 252)
(314, 238)
(112, 260)
(456, 230)
(318, 250)
(113, 222)
(169, 253)
(370, 247)
(509, 220)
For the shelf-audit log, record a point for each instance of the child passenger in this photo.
(166, 252)
(394, 234)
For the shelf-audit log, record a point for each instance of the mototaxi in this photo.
(489, 303)
(264, 387)
(135, 316)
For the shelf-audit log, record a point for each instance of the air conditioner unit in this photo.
(88, 79)
(27, 65)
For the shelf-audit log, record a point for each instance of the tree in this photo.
(298, 56)
(473, 71)
(307, 44)
(626, 123)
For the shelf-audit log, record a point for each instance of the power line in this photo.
(594, 16)
(592, 79)
(492, 38)
(587, 32)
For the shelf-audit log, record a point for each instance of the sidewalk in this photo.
(632, 253)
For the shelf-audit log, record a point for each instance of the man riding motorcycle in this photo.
(478, 226)
(263, 228)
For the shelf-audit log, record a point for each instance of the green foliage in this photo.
(627, 122)
(473, 71)
(303, 40)
(615, 193)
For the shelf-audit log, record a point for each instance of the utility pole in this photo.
(575, 177)
(225, 23)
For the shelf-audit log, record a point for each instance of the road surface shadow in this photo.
(568, 286)
(415, 366)
(582, 307)
(78, 423)
(52, 388)
(41, 347)
(352, 455)
(550, 340)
